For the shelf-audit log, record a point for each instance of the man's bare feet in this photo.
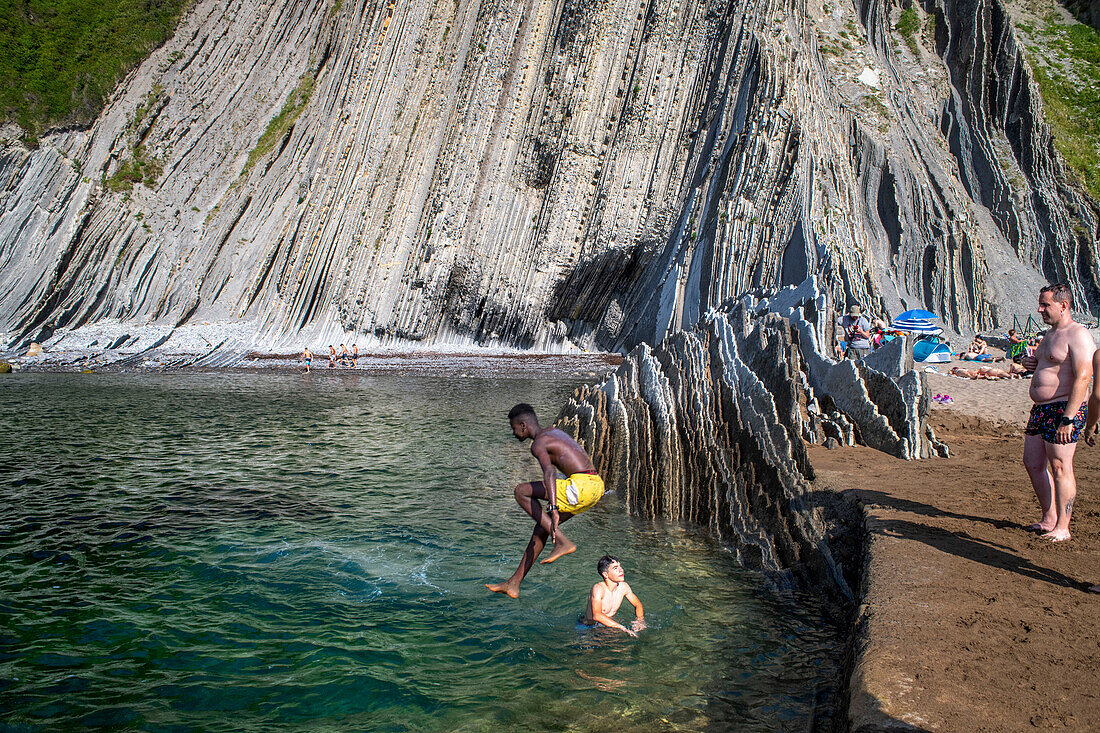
(563, 547)
(1042, 526)
(1058, 535)
(504, 588)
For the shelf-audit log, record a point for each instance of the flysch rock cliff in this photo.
(710, 427)
(545, 174)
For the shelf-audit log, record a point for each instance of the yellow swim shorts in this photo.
(579, 492)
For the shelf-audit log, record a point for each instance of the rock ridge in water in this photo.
(544, 176)
(709, 428)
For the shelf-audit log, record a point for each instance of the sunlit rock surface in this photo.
(547, 175)
(710, 426)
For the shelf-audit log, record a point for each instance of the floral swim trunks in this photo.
(1045, 419)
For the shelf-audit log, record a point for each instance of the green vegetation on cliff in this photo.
(60, 59)
(1066, 62)
(281, 123)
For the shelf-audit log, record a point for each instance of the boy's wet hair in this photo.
(604, 563)
(521, 410)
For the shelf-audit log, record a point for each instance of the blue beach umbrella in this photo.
(916, 315)
(921, 327)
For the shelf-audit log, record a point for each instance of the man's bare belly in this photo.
(1047, 385)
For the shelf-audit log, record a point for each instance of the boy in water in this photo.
(565, 498)
(608, 595)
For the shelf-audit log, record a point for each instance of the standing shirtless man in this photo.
(555, 451)
(1063, 369)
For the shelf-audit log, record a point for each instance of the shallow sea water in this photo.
(275, 552)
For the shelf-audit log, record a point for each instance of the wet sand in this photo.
(969, 621)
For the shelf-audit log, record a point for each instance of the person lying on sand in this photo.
(565, 499)
(608, 595)
(992, 373)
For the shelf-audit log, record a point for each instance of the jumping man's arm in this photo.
(1081, 348)
(549, 482)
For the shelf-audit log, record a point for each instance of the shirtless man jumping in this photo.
(555, 451)
(1063, 370)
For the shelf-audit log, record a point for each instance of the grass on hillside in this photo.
(908, 26)
(1070, 86)
(60, 59)
(282, 122)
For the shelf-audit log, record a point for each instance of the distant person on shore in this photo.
(856, 329)
(608, 595)
(1062, 363)
(977, 347)
(354, 355)
(331, 356)
(307, 357)
(565, 498)
(345, 357)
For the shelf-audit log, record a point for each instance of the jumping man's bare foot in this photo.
(561, 547)
(505, 588)
(1058, 535)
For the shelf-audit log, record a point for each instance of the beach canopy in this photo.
(916, 315)
(931, 352)
(921, 326)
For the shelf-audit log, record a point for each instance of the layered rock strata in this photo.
(709, 427)
(541, 174)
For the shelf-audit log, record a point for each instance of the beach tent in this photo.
(931, 352)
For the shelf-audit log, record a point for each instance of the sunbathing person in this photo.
(977, 347)
(990, 373)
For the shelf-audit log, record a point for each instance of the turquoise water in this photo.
(265, 552)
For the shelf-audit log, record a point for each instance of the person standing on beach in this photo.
(307, 357)
(857, 333)
(331, 356)
(1063, 366)
(565, 498)
(354, 355)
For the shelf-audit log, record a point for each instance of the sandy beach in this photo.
(969, 621)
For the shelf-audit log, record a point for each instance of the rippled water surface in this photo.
(278, 552)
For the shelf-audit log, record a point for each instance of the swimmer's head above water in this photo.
(610, 568)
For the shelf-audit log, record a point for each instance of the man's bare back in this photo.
(565, 453)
